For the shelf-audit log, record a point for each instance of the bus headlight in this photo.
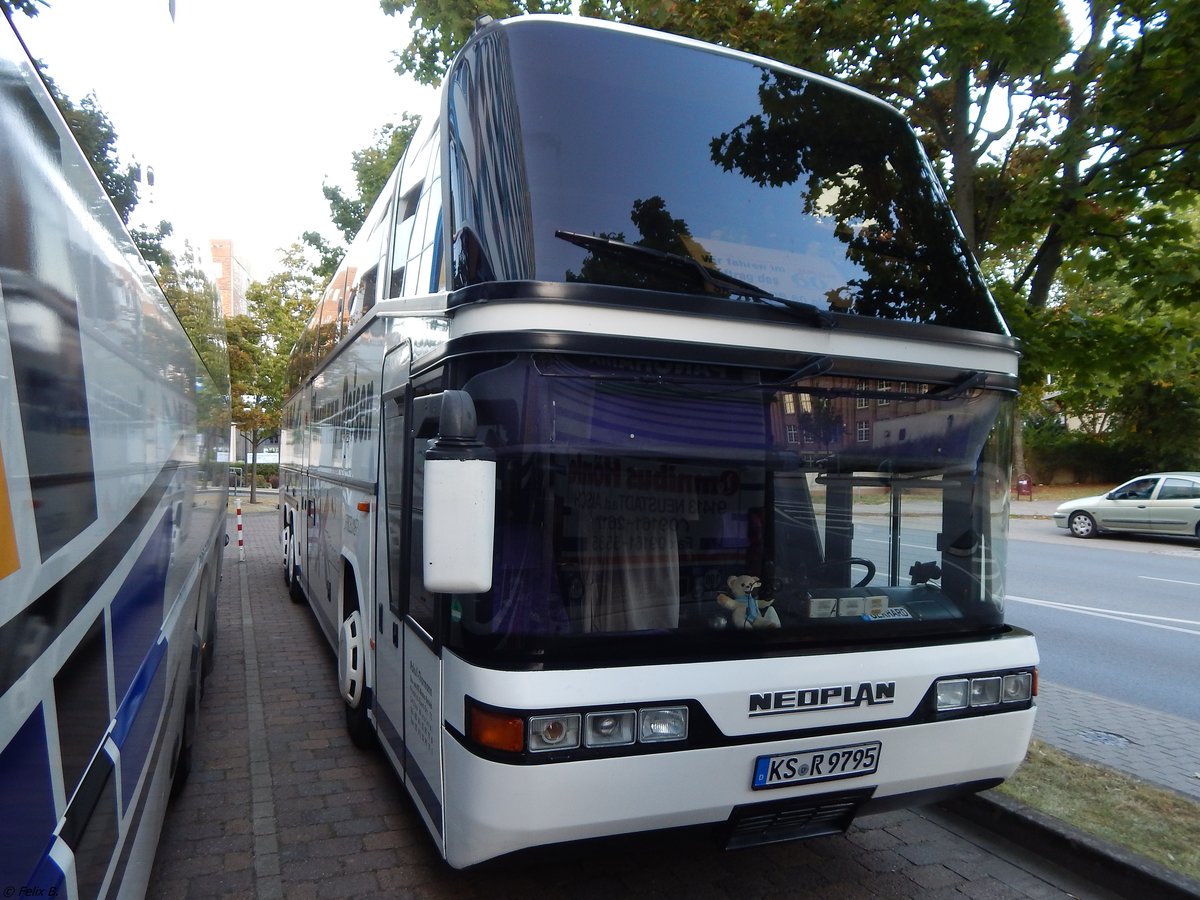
(991, 691)
(1018, 687)
(985, 691)
(609, 729)
(554, 732)
(953, 693)
(664, 723)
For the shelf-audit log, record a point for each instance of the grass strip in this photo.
(1154, 822)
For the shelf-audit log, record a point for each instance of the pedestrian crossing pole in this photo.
(241, 543)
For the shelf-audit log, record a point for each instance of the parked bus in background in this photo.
(647, 459)
(112, 518)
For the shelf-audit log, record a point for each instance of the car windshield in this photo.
(796, 186)
(701, 507)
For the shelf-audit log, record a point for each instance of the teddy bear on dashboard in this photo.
(746, 609)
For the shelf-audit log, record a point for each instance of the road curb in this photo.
(1122, 871)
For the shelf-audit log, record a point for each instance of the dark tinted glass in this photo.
(800, 187)
(619, 519)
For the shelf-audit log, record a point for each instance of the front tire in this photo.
(1082, 525)
(352, 680)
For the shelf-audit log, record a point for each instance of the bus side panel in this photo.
(110, 518)
(342, 451)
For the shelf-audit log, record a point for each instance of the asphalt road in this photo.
(1117, 616)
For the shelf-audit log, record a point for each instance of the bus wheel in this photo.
(291, 570)
(352, 679)
(285, 539)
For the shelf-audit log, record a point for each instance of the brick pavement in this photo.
(1154, 746)
(281, 804)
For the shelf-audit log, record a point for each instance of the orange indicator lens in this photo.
(500, 731)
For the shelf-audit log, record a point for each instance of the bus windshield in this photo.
(727, 170)
(714, 510)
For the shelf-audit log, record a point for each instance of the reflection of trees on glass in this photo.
(659, 231)
(821, 423)
(860, 170)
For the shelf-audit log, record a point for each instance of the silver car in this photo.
(1162, 503)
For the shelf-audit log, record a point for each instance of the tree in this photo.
(372, 167)
(97, 138)
(440, 27)
(259, 345)
(151, 243)
(328, 255)
(92, 129)
(197, 303)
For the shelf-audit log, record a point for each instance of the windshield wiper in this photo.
(713, 278)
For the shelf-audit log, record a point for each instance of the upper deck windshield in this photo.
(704, 510)
(574, 149)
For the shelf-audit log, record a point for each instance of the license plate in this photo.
(848, 761)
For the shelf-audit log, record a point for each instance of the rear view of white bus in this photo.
(648, 459)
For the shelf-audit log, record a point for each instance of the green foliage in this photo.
(1085, 458)
(440, 27)
(1156, 426)
(372, 166)
(329, 257)
(260, 342)
(197, 303)
(150, 243)
(28, 7)
(98, 139)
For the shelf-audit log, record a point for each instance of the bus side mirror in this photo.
(460, 503)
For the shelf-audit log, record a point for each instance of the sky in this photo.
(242, 107)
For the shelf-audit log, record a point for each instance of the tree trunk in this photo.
(962, 157)
(254, 466)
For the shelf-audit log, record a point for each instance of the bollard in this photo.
(241, 543)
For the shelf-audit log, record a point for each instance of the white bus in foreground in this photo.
(648, 457)
(112, 518)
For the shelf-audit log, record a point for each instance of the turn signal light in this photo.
(497, 730)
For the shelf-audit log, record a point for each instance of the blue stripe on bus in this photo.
(138, 717)
(26, 802)
(424, 789)
(425, 793)
(137, 609)
(48, 880)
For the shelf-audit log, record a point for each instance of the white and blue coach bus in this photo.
(112, 518)
(647, 460)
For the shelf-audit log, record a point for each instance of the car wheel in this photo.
(1082, 525)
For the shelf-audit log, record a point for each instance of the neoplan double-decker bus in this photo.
(648, 458)
(112, 518)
